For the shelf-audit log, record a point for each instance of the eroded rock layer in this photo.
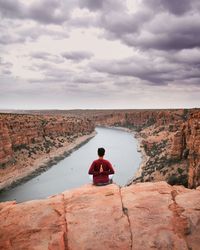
(139, 217)
(27, 139)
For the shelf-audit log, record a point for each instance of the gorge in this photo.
(72, 172)
(142, 216)
(170, 140)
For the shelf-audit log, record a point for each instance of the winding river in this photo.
(72, 172)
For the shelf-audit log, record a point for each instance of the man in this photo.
(101, 169)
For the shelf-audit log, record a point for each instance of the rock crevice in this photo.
(125, 212)
(180, 223)
(65, 223)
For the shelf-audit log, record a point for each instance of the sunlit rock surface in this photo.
(141, 216)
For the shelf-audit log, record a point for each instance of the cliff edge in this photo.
(140, 216)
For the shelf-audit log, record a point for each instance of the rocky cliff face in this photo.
(5, 144)
(193, 148)
(137, 119)
(186, 146)
(138, 217)
(26, 138)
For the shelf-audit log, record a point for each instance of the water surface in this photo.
(72, 172)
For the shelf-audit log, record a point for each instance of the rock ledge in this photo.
(141, 216)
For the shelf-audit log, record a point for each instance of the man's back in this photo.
(101, 169)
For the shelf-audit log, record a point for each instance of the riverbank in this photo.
(144, 157)
(138, 175)
(15, 175)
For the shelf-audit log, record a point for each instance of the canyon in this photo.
(169, 140)
(160, 213)
(32, 142)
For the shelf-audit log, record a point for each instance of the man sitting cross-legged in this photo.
(101, 169)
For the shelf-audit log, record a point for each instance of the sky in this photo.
(99, 54)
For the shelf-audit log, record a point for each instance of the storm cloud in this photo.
(176, 7)
(127, 51)
(44, 11)
(159, 25)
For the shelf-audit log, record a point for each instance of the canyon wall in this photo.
(186, 146)
(25, 138)
(169, 139)
(138, 217)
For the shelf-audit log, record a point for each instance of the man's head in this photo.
(101, 152)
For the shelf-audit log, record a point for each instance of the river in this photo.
(72, 172)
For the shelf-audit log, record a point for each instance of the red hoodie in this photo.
(106, 169)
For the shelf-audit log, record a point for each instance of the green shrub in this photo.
(19, 147)
(180, 171)
(178, 180)
(2, 165)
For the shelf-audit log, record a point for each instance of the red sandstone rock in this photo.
(34, 225)
(141, 216)
(96, 220)
(186, 144)
(5, 144)
(20, 131)
(26, 138)
(193, 144)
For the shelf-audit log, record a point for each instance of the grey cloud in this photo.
(91, 4)
(45, 11)
(138, 69)
(10, 38)
(90, 78)
(6, 72)
(87, 21)
(172, 33)
(177, 7)
(164, 41)
(119, 23)
(160, 25)
(41, 66)
(13, 32)
(45, 56)
(5, 67)
(105, 5)
(77, 56)
(12, 9)
(51, 73)
(190, 57)
(34, 32)
(151, 70)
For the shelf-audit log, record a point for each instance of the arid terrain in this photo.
(169, 140)
(32, 142)
(139, 216)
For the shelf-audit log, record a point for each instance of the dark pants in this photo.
(103, 184)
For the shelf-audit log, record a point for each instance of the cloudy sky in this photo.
(66, 54)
